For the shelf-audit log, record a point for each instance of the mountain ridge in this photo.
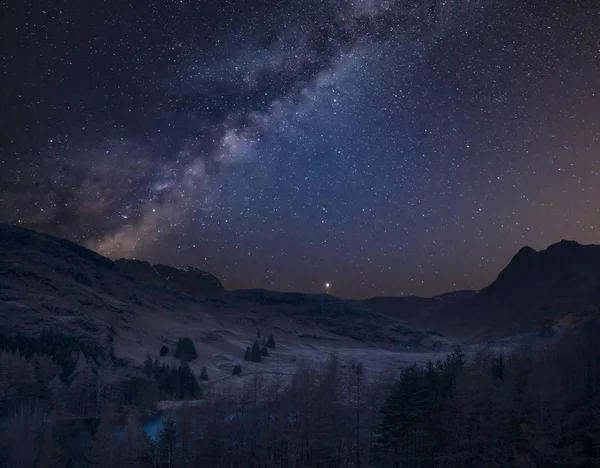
(130, 309)
(57, 278)
(559, 284)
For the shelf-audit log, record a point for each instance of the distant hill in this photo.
(323, 317)
(559, 285)
(413, 309)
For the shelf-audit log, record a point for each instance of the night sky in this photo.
(384, 146)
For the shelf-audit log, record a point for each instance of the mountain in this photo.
(559, 285)
(47, 283)
(131, 309)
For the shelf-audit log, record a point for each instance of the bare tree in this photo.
(20, 430)
(51, 454)
(102, 452)
(83, 388)
(133, 444)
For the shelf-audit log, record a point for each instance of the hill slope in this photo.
(559, 285)
(414, 309)
(132, 308)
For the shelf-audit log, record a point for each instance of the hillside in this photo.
(83, 326)
(414, 309)
(556, 286)
(131, 309)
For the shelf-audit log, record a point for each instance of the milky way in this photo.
(380, 146)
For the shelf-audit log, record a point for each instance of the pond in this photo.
(153, 424)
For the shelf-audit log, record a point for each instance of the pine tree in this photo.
(148, 368)
(187, 439)
(411, 432)
(188, 385)
(173, 383)
(134, 445)
(255, 354)
(204, 373)
(498, 367)
(167, 444)
(247, 354)
(46, 368)
(51, 454)
(83, 387)
(164, 350)
(237, 370)
(59, 396)
(185, 351)
(264, 351)
(22, 429)
(271, 341)
(101, 453)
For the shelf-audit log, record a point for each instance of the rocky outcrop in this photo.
(188, 280)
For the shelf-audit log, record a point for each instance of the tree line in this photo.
(536, 407)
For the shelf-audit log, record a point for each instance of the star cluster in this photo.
(376, 146)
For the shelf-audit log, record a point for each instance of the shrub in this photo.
(164, 350)
(237, 370)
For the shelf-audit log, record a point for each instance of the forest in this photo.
(535, 407)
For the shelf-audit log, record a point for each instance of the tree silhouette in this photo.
(185, 351)
(188, 385)
(255, 354)
(167, 444)
(271, 341)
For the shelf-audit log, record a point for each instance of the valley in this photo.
(132, 354)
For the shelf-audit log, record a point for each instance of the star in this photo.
(385, 147)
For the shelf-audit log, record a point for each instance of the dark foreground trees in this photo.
(535, 408)
(411, 432)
